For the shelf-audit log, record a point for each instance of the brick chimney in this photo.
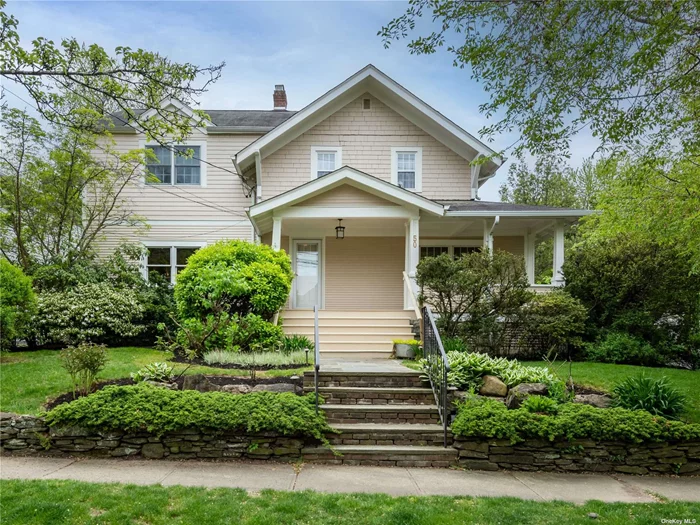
(279, 97)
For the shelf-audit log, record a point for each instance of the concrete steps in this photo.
(388, 434)
(394, 413)
(352, 334)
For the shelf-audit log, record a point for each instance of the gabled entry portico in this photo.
(364, 269)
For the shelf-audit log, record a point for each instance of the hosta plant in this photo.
(158, 372)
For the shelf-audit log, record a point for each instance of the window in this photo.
(454, 248)
(433, 251)
(325, 160)
(366, 103)
(406, 168)
(458, 251)
(177, 165)
(168, 260)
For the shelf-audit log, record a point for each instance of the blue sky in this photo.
(307, 46)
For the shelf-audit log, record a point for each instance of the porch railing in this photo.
(438, 367)
(317, 355)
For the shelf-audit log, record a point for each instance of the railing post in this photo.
(317, 355)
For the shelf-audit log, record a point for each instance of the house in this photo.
(356, 187)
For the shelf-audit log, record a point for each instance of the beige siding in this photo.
(178, 235)
(223, 198)
(513, 244)
(366, 138)
(364, 273)
(266, 238)
(346, 196)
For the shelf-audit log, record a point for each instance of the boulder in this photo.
(595, 400)
(275, 387)
(236, 389)
(521, 392)
(158, 384)
(199, 382)
(153, 451)
(493, 387)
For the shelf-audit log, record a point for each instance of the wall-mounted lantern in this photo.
(340, 230)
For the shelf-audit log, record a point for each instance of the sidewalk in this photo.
(576, 488)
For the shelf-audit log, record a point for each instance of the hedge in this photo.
(491, 419)
(158, 410)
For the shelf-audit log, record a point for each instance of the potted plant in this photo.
(406, 348)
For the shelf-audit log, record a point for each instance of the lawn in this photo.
(27, 379)
(603, 376)
(70, 502)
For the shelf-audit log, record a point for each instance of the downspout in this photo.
(258, 176)
(496, 220)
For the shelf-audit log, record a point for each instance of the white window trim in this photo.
(173, 246)
(314, 158)
(451, 244)
(202, 163)
(419, 166)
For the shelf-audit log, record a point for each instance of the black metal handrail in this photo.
(438, 367)
(317, 355)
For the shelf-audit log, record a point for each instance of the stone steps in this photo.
(341, 395)
(408, 379)
(389, 434)
(386, 455)
(381, 413)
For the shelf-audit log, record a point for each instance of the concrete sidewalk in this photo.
(396, 481)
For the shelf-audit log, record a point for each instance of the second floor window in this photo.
(406, 168)
(324, 160)
(177, 165)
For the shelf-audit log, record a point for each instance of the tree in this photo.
(56, 198)
(128, 83)
(630, 71)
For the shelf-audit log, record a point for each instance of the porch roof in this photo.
(352, 177)
(475, 208)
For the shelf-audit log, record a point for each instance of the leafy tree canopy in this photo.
(628, 70)
(127, 82)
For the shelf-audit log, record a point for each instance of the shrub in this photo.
(540, 405)
(252, 332)
(491, 419)
(474, 294)
(296, 343)
(656, 396)
(637, 286)
(467, 369)
(251, 359)
(623, 348)
(454, 344)
(88, 312)
(158, 372)
(83, 362)
(236, 277)
(553, 320)
(17, 304)
(158, 410)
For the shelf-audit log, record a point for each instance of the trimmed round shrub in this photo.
(623, 348)
(17, 304)
(236, 277)
(656, 396)
(553, 320)
(89, 312)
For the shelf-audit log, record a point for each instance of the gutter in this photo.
(523, 214)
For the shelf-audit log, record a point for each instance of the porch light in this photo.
(340, 230)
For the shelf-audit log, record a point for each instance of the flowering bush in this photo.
(88, 312)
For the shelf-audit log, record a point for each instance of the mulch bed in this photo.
(583, 390)
(181, 358)
(216, 379)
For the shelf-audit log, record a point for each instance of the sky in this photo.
(310, 47)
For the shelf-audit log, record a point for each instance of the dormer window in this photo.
(177, 165)
(325, 160)
(407, 167)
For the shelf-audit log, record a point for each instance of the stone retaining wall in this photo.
(24, 435)
(580, 456)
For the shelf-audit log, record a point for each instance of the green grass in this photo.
(28, 379)
(70, 502)
(603, 376)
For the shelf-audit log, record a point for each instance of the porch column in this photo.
(488, 233)
(276, 233)
(558, 258)
(530, 257)
(412, 254)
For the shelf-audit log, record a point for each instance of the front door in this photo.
(307, 267)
